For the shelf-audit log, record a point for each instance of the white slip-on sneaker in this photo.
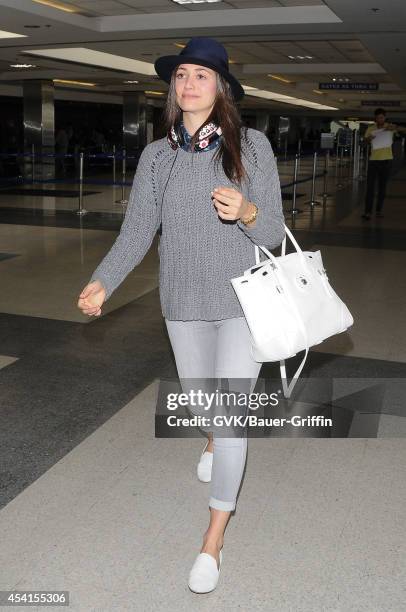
(205, 464)
(204, 575)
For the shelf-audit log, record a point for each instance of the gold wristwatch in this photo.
(252, 217)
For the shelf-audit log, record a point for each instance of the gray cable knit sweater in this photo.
(199, 252)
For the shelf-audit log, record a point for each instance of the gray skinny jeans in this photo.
(213, 350)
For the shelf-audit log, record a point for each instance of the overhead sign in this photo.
(350, 86)
(380, 102)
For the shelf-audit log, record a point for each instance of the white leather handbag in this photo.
(289, 306)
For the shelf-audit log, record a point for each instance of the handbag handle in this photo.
(288, 388)
(272, 257)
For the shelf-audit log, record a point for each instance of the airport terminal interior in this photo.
(92, 502)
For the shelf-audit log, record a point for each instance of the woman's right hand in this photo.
(92, 298)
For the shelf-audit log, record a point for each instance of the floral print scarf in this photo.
(209, 137)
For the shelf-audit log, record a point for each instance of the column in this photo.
(134, 123)
(39, 127)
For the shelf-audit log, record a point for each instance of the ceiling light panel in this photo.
(277, 97)
(5, 34)
(277, 77)
(22, 66)
(69, 82)
(60, 6)
(200, 7)
(83, 55)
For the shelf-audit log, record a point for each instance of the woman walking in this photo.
(214, 186)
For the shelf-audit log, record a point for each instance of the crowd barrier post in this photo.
(299, 152)
(340, 156)
(348, 163)
(336, 161)
(123, 201)
(355, 166)
(325, 193)
(32, 162)
(312, 201)
(295, 210)
(81, 210)
(114, 164)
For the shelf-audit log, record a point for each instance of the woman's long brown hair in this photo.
(225, 113)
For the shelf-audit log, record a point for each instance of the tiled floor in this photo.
(108, 523)
(54, 264)
(93, 503)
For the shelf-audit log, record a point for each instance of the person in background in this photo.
(380, 163)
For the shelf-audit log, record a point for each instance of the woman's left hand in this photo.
(230, 203)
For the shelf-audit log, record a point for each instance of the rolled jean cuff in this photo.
(217, 504)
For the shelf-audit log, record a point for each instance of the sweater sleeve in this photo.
(137, 231)
(265, 193)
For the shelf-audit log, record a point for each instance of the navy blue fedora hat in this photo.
(202, 51)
